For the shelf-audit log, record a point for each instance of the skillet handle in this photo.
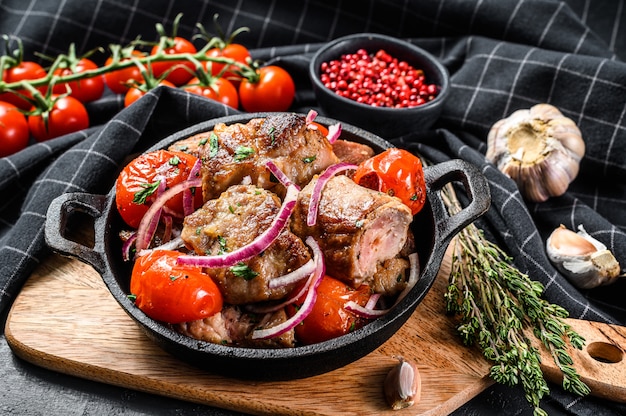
(57, 218)
(477, 189)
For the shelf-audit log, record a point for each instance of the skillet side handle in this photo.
(57, 217)
(477, 189)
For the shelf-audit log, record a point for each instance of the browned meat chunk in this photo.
(240, 151)
(352, 152)
(357, 229)
(234, 220)
(232, 326)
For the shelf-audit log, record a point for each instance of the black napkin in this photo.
(502, 56)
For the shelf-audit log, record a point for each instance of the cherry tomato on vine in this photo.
(119, 80)
(274, 90)
(139, 90)
(329, 318)
(67, 115)
(14, 133)
(184, 69)
(234, 51)
(26, 70)
(173, 293)
(396, 172)
(85, 90)
(218, 89)
(136, 184)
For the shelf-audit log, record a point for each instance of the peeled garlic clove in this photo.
(539, 148)
(403, 385)
(582, 259)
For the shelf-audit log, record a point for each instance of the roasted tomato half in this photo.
(173, 293)
(329, 317)
(136, 186)
(396, 172)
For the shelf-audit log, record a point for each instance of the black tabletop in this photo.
(502, 56)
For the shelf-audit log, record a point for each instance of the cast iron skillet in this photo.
(433, 228)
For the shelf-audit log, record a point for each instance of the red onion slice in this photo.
(295, 276)
(334, 131)
(364, 312)
(188, 194)
(309, 300)
(127, 246)
(258, 245)
(150, 220)
(310, 117)
(316, 194)
(279, 174)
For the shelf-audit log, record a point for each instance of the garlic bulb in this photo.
(539, 148)
(584, 261)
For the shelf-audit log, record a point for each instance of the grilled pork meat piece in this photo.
(232, 221)
(357, 229)
(352, 152)
(233, 326)
(237, 153)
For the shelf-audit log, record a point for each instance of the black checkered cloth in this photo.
(502, 56)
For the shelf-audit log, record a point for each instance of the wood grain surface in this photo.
(65, 320)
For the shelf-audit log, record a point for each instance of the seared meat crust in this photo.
(234, 220)
(357, 229)
(243, 150)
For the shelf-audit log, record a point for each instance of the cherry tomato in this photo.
(274, 90)
(118, 81)
(219, 89)
(329, 318)
(85, 90)
(234, 51)
(68, 115)
(173, 293)
(14, 133)
(323, 129)
(26, 70)
(185, 69)
(396, 172)
(135, 185)
(139, 90)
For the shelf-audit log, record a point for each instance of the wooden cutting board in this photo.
(65, 320)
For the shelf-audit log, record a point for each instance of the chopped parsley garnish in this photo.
(174, 161)
(243, 152)
(242, 270)
(213, 145)
(222, 242)
(148, 189)
(272, 136)
(309, 159)
(203, 141)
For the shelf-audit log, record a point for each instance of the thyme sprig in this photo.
(499, 306)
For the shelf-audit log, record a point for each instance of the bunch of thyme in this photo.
(497, 304)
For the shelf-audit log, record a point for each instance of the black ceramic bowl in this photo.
(433, 227)
(384, 121)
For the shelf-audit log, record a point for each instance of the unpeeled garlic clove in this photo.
(582, 259)
(403, 385)
(539, 148)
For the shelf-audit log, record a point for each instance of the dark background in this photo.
(502, 56)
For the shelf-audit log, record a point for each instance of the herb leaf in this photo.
(242, 270)
(243, 152)
(213, 145)
(148, 189)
